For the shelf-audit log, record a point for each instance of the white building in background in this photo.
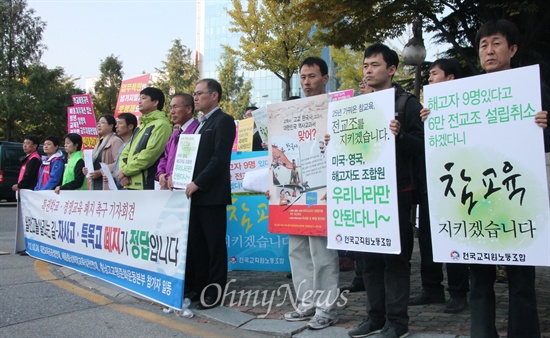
(213, 25)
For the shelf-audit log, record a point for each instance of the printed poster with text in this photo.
(81, 120)
(297, 144)
(486, 170)
(186, 156)
(128, 96)
(361, 175)
(260, 118)
(134, 239)
(245, 134)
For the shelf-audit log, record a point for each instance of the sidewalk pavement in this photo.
(425, 320)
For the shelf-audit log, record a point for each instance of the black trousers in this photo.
(208, 250)
(431, 273)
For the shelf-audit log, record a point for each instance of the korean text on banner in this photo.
(242, 163)
(81, 120)
(186, 156)
(136, 240)
(486, 170)
(249, 245)
(297, 143)
(128, 96)
(361, 175)
(245, 133)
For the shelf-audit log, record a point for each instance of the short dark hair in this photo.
(130, 119)
(75, 139)
(389, 55)
(155, 94)
(53, 139)
(294, 97)
(448, 66)
(213, 86)
(110, 120)
(251, 108)
(33, 139)
(313, 60)
(187, 99)
(502, 26)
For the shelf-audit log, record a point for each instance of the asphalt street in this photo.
(36, 300)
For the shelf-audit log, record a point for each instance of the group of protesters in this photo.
(139, 155)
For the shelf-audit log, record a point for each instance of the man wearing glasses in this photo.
(211, 193)
(182, 108)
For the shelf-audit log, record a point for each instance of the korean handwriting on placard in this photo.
(467, 198)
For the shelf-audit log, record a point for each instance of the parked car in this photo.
(10, 164)
(10, 153)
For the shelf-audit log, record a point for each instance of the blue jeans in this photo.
(523, 320)
(387, 277)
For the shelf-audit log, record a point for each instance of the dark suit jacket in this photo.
(211, 173)
(257, 142)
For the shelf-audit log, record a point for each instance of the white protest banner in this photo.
(361, 174)
(486, 170)
(184, 164)
(260, 118)
(134, 239)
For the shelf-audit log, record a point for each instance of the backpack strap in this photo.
(400, 105)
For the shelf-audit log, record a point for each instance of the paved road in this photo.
(38, 299)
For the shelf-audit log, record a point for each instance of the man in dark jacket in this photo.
(30, 165)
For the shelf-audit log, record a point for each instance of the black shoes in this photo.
(193, 296)
(427, 298)
(456, 305)
(208, 302)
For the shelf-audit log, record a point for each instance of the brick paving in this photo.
(424, 318)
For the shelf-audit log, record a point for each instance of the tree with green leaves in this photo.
(179, 73)
(274, 37)
(236, 91)
(349, 67)
(47, 95)
(107, 86)
(20, 46)
(356, 23)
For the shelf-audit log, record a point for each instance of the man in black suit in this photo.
(211, 193)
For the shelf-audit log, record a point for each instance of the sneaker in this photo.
(295, 316)
(427, 298)
(366, 328)
(456, 305)
(318, 322)
(390, 331)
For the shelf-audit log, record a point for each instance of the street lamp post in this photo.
(414, 53)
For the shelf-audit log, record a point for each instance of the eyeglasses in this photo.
(199, 93)
(176, 106)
